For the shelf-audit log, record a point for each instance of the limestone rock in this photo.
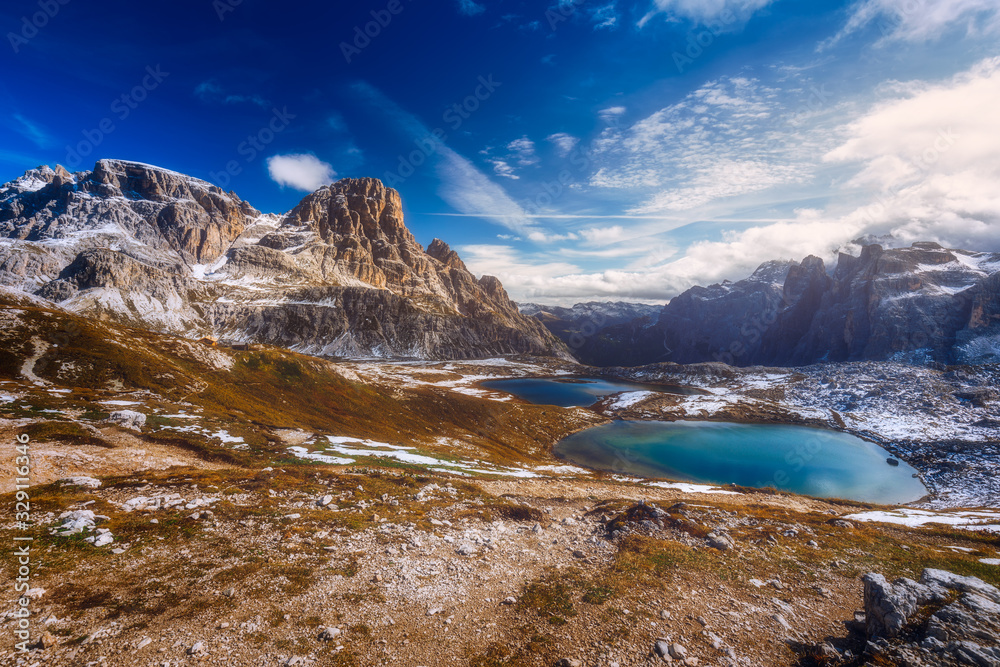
(128, 419)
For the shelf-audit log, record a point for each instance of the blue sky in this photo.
(576, 149)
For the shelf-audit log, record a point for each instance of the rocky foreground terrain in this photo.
(338, 275)
(198, 504)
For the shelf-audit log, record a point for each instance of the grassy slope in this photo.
(265, 389)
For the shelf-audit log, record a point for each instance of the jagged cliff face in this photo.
(340, 274)
(923, 303)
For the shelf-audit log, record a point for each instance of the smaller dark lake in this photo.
(567, 392)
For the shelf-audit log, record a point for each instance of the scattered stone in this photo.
(328, 634)
(678, 652)
(88, 482)
(197, 648)
(664, 615)
(324, 501)
(102, 539)
(129, 419)
(720, 541)
(780, 620)
(75, 522)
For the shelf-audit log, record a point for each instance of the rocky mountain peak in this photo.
(360, 207)
(443, 253)
(774, 271)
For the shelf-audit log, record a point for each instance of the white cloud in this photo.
(729, 137)
(564, 143)
(302, 171)
(603, 234)
(519, 153)
(507, 263)
(605, 17)
(921, 20)
(931, 157)
(503, 168)
(611, 113)
(523, 150)
(715, 180)
(546, 237)
(721, 12)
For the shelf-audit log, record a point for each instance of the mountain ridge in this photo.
(924, 303)
(338, 275)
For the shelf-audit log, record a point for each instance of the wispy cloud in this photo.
(31, 131)
(920, 21)
(605, 17)
(523, 150)
(211, 92)
(564, 143)
(463, 186)
(470, 8)
(722, 12)
(517, 153)
(611, 114)
(720, 141)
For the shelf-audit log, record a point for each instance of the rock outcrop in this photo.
(340, 274)
(944, 619)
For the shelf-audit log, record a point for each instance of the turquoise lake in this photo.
(573, 391)
(809, 461)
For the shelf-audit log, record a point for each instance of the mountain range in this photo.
(923, 303)
(338, 275)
